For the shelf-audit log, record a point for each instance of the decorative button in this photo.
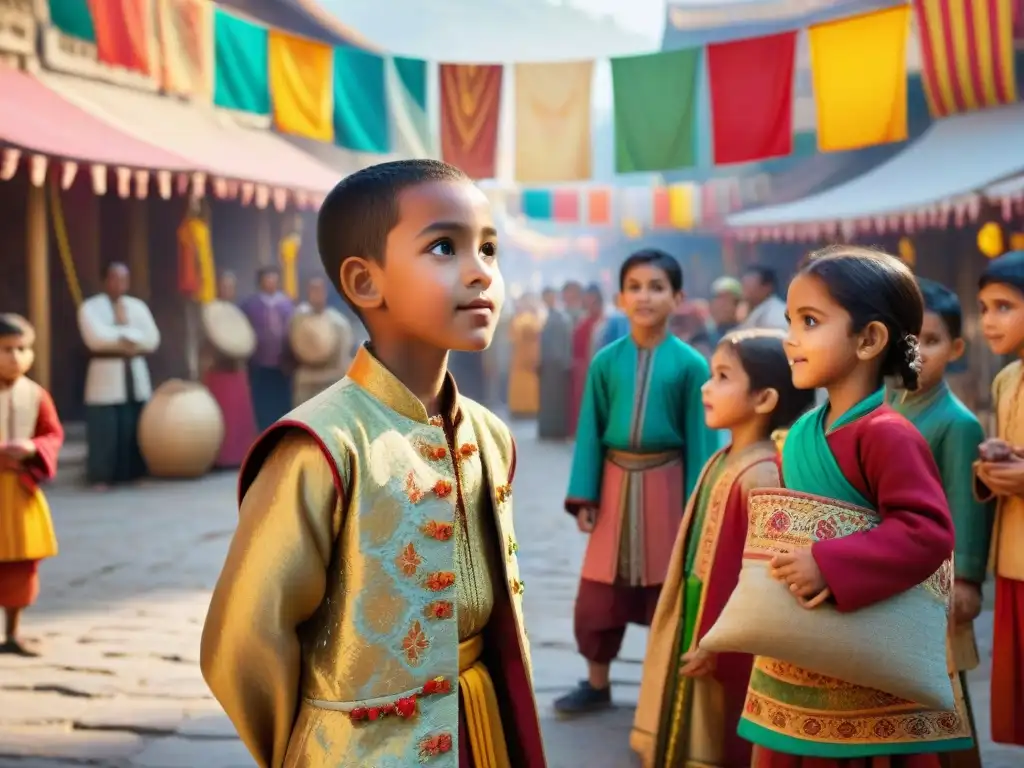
(440, 581)
(440, 609)
(442, 488)
(438, 529)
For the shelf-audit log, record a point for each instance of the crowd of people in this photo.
(369, 611)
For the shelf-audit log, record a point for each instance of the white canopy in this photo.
(945, 169)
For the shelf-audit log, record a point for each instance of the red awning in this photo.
(35, 119)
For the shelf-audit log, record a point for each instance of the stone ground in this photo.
(122, 609)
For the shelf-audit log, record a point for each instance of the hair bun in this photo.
(911, 368)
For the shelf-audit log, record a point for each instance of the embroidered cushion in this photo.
(897, 646)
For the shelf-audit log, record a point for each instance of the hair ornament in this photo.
(913, 352)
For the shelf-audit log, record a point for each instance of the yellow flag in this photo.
(680, 206)
(301, 86)
(859, 70)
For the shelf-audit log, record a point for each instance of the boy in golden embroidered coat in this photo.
(369, 613)
(31, 436)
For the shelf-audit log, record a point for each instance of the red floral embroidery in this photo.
(432, 746)
(518, 587)
(415, 643)
(406, 706)
(435, 421)
(442, 488)
(409, 560)
(411, 489)
(503, 492)
(438, 529)
(433, 452)
(440, 609)
(779, 522)
(440, 581)
(825, 530)
(466, 450)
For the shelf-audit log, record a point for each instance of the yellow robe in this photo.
(524, 378)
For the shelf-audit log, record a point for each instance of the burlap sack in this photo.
(897, 646)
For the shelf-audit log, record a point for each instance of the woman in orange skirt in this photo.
(31, 436)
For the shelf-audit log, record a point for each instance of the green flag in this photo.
(73, 18)
(360, 102)
(656, 110)
(241, 77)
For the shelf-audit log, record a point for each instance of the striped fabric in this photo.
(967, 54)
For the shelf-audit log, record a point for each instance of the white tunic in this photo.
(770, 314)
(105, 380)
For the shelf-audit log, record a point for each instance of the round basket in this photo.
(228, 330)
(315, 339)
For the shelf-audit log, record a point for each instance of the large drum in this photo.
(315, 339)
(228, 330)
(180, 430)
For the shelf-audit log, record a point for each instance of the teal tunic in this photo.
(954, 434)
(643, 401)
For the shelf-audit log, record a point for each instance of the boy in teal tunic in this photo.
(953, 433)
(641, 442)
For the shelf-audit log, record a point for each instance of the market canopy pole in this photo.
(138, 247)
(38, 254)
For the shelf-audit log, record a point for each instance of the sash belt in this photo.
(640, 462)
(480, 702)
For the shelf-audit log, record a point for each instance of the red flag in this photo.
(752, 97)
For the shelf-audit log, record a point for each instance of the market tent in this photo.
(37, 120)
(212, 141)
(954, 159)
(301, 17)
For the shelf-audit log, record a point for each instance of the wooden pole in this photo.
(38, 254)
(138, 247)
(264, 239)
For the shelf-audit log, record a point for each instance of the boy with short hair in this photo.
(372, 582)
(953, 434)
(31, 436)
(640, 446)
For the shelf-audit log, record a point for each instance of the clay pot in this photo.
(180, 430)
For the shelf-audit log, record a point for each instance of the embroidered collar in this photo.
(370, 374)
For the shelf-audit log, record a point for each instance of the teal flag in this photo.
(537, 204)
(413, 75)
(360, 102)
(241, 79)
(72, 17)
(656, 110)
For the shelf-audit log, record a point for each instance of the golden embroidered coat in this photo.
(339, 594)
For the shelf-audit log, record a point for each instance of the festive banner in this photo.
(655, 110)
(300, 86)
(967, 54)
(124, 34)
(861, 100)
(552, 115)
(751, 84)
(537, 204)
(599, 206)
(470, 110)
(240, 64)
(407, 107)
(566, 206)
(360, 102)
(682, 204)
(662, 209)
(73, 18)
(186, 47)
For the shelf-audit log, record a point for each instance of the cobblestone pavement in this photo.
(122, 608)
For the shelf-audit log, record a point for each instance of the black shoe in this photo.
(15, 648)
(584, 700)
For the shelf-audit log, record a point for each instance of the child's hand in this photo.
(20, 449)
(966, 602)
(699, 663)
(800, 572)
(1003, 478)
(585, 519)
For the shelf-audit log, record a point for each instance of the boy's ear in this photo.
(361, 282)
(959, 347)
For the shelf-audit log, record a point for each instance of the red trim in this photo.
(512, 464)
(1003, 79)
(263, 445)
(960, 103)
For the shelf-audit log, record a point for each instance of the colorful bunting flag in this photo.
(470, 106)
(241, 80)
(682, 206)
(300, 86)
(967, 54)
(566, 206)
(662, 209)
(599, 206)
(186, 47)
(124, 34)
(552, 113)
(407, 106)
(360, 102)
(751, 84)
(73, 18)
(537, 204)
(655, 110)
(861, 99)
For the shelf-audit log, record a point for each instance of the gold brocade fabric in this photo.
(483, 716)
(332, 606)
